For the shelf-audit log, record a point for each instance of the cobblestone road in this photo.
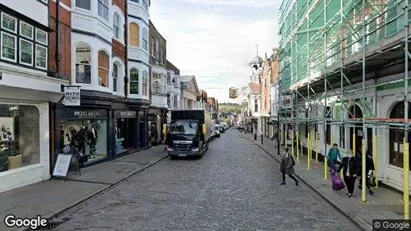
(235, 186)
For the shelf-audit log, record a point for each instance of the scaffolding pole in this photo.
(364, 144)
(325, 94)
(406, 166)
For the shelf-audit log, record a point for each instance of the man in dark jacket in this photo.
(349, 166)
(369, 170)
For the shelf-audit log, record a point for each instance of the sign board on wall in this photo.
(71, 96)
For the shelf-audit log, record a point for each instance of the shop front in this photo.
(126, 134)
(156, 118)
(85, 129)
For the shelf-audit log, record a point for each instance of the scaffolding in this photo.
(330, 50)
(335, 55)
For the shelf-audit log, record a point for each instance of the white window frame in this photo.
(32, 52)
(101, 2)
(115, 76)
(7, 29)
(145, 84)
(32, 30)
(35, 58)
(116, 15)
(15, 47)
(145, 5)
(108, 73)
(145, 39)
(47, 37)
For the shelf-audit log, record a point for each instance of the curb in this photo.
(92, 195)
(354, 220)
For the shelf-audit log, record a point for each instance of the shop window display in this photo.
(88, 137)
(125, 137)
(19, 136)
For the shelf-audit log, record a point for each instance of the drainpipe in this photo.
(126, 52)
(57, 37)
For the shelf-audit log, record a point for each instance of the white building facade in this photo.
(254, 96)
(190, 92)
(173, 86)
(28, 85)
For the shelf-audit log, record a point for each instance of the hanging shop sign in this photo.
(233, 93)
(125, 114)
(71, 96)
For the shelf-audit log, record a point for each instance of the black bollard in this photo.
(255, 136)
(261, 138)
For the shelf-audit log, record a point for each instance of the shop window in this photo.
(134, 32)
(83, 4)
(145, 39)
(103, 9)
(115, 77)
(134, 79)
(116, 25)
(88, 137)
(83, 64)
(397, 135)
(19, 136)
(145, 83)
(103, 68)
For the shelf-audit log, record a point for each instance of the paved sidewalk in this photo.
(52, 197)
(385, 204)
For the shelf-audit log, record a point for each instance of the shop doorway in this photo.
(397, 135)
(356, 113)
(142, 135)
(126, 135)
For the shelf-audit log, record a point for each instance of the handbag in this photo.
(372, 181)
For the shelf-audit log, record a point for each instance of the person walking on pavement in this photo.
(369, 169)
(349, 166)
(287, 167)
(333, 155)
(255, 133)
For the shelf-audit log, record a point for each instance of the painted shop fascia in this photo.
(103, 127)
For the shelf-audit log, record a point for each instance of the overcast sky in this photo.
(215, 39)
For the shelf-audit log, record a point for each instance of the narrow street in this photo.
(234, 186)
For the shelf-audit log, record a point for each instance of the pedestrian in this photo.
(333, 156)
(369, 171)
(275, 138)
(287, 167)
(255, 134)
(349, 166)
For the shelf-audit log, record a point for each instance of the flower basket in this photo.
(15, 161)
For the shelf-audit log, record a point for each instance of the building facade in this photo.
(274, 83)
(265, 87)
(159, 94)
(190, 92)
(202, 100)
(335, 98)
(31, 75)
(173, 86)
(253, 120)
(109, 63)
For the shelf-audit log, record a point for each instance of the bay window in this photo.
(26, 52)
(115, 77)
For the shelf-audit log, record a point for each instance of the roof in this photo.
(186, 78)
(257, 60)
(171, 66)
